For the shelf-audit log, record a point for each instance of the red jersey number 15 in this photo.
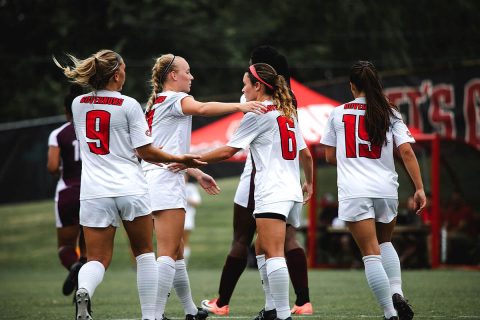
(365, 150)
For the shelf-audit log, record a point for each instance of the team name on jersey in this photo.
(102, 100)
(356, 106)
(271, 108)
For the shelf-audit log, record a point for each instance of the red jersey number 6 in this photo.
(287, 137)
(98, 128)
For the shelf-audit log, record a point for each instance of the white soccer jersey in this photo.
(364, 171)
(275, 142)
(170, 127)
(109, 126)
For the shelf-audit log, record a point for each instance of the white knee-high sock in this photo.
(90, 276)
(147, 284)
(166, 272)
(378, 282)
(277, 274)
(181, 284)
(391, 264)
(262, 268)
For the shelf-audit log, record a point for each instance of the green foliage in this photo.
(320, 38)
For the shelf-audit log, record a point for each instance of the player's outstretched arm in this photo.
(209, 109)
(152, 154)
(205, 181)
(219, 154)
(413, 169)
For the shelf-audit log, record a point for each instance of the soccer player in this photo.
(360, 138)
(169, 116)
(244, 225)
(64, 161)
(194, 199)
(276, 144)
(112, 132)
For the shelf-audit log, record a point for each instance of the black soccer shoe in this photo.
(83, 309)
(201, 314)
(404, 309)
(266, 315)
(70, 282)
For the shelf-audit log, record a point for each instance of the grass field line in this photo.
(361, 316)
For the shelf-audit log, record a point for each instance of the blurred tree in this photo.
(320, 38)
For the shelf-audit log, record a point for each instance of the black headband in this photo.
(164, 73)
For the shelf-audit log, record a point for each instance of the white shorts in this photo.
(189, 220)
(104, 212)
(245, 190)
(357, 209)
(167, 189)
(291, 210)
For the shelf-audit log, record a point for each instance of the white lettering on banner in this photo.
(440, 113)
(471, 112)
(313, 119)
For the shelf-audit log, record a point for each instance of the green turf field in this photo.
(31, 275)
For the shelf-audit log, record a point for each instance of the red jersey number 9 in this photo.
(365, 150)
(98, 128)
(287, 137)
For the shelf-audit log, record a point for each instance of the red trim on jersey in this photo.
(160, 99)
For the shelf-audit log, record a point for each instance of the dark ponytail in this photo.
(377, 116)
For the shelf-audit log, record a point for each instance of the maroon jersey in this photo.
(65, 139)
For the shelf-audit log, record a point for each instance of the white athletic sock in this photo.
(181, 284)
(90, 276)
(147, 284)
(277, 273)
(262, 268)
(378, 282)
(166, 272)
(391, 264)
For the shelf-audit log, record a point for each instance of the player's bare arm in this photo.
(331, 155)
(219, 154)
(205, 181)
(209, 109)
(307, 164)
(413, 169)
(153, 154)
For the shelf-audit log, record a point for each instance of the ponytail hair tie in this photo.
(254, 73)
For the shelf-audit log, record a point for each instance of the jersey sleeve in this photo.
(139, 132)
(246, 132)
(52, 139)
(329, 137)
(177, 106)
(400, 132)
(299, 137)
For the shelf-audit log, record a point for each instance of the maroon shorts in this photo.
(67, 208)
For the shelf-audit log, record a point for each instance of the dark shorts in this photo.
(67, 208)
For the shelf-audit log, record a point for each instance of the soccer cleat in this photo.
(391, 318)
(404, 309)
(82, 305)
(71, 281)
(211, 306)
(201, 314)
(266, 315)
(307, 308)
